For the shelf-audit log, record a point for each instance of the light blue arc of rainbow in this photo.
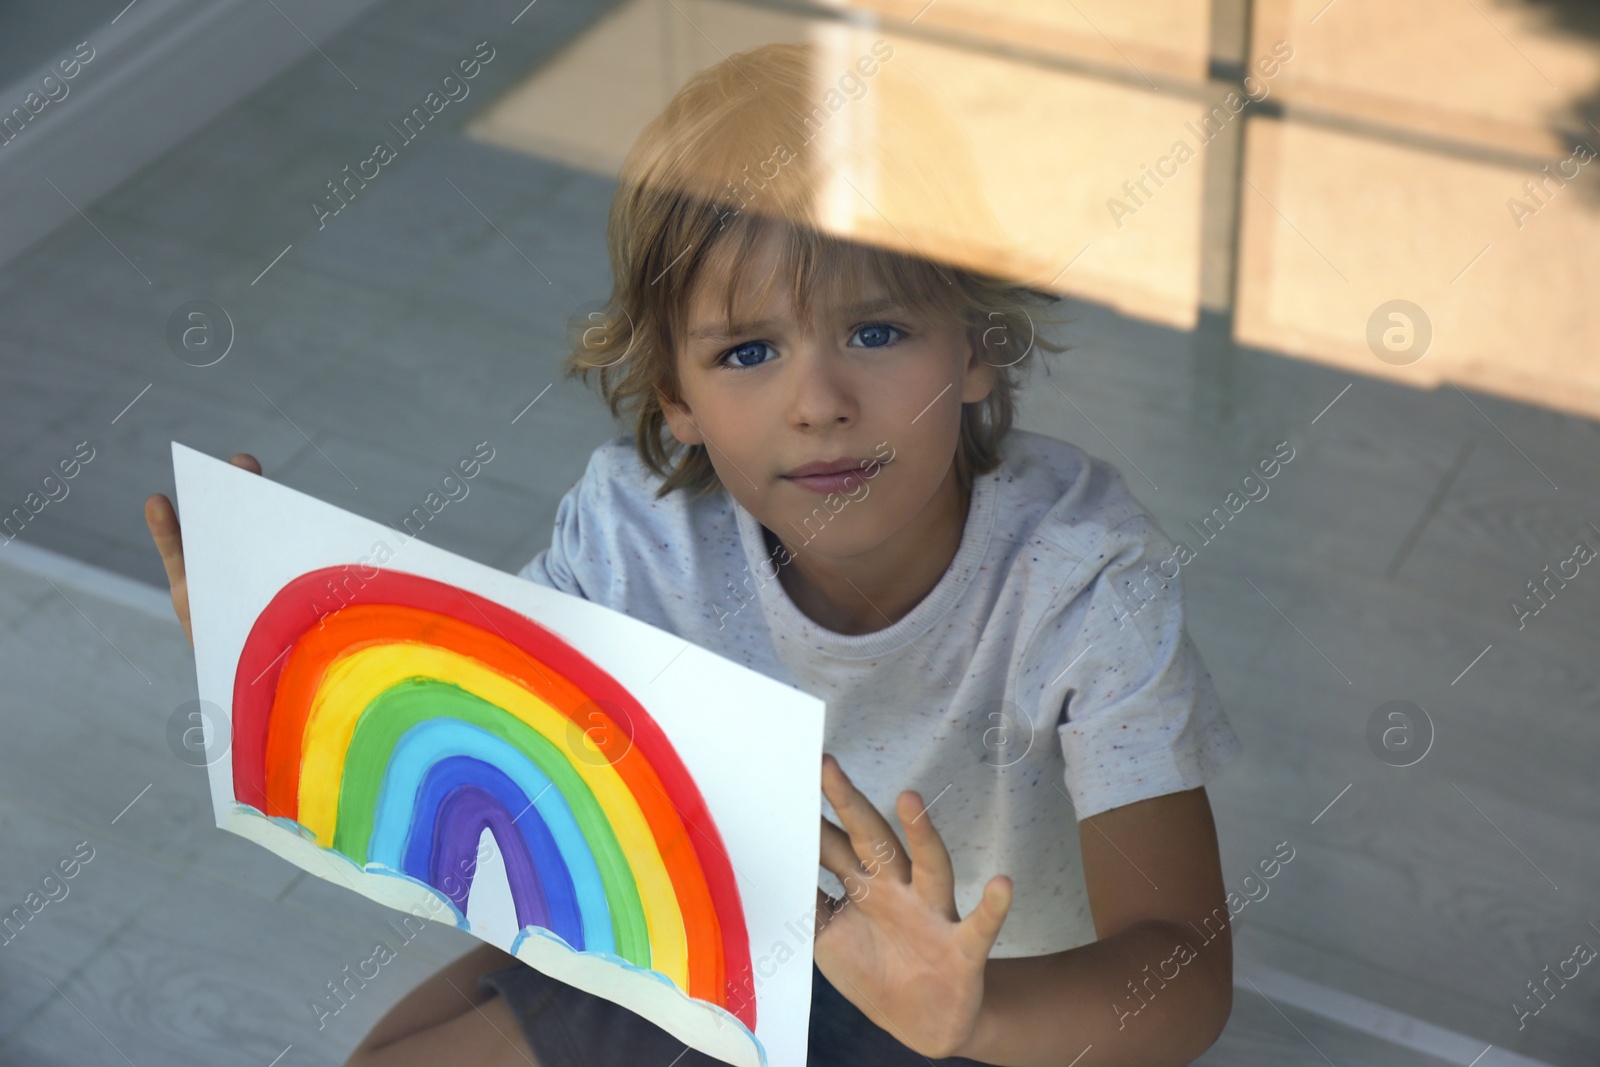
(425, 744)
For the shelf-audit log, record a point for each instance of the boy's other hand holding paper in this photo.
(162, 519)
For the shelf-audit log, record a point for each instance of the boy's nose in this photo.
(822, 393)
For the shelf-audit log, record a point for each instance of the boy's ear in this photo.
(679, 421)
(980, 378)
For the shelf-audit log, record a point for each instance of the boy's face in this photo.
(871, 387)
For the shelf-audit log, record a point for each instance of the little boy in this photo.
(822, 484)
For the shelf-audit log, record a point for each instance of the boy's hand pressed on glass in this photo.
(898, 950)
(162, 519)
(895, 945)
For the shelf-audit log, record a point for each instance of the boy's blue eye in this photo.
(880, 331)
(746, 355)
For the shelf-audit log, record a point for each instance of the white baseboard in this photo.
(87, 578)
(1375, 1020)
(162, 70)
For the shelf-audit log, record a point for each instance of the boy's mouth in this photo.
(832, 476)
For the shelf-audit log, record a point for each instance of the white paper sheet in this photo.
(751, 745)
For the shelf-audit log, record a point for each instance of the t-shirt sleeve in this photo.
(550, 568)
(1139, 715)
(577, 560)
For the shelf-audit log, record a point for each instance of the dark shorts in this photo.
(567, 1027)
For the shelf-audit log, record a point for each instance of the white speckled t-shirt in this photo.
(1035, 682)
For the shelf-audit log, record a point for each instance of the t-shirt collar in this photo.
(782, 614)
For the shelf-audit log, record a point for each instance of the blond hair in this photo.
(678, 216)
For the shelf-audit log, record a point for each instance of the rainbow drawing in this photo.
(398, 728)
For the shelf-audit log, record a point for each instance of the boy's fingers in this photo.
(982, 925)
(932, 874)
(837, 855)
(162, 519)
(163, 522)
(868, 830)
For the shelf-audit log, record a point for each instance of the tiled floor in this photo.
(179, 944)
(420, 321)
